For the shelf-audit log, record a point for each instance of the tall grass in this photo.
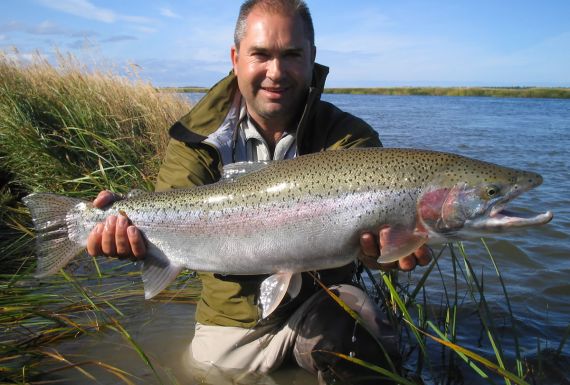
(70, 129)
(74, 130)
(66, 128)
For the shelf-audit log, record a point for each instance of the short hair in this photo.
(284, 7)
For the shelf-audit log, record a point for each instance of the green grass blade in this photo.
(474, 356)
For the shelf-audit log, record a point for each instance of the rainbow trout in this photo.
(297, 215)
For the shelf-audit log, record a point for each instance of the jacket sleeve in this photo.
(336, 129)
(350, 131)
(187, 165)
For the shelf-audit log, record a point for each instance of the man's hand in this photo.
(116, 237)
(371, 250)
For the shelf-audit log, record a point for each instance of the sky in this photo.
(366, 43)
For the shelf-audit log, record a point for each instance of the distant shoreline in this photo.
(499, 92)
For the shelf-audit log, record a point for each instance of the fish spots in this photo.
(369, 183)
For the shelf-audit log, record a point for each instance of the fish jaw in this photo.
(468, 209)
(500, 220)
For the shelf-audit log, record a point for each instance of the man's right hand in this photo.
(116, 237)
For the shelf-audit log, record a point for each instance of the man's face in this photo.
(274, 66)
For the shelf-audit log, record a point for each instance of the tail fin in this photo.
(54, 248)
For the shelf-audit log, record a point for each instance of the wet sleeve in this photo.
(187, 166)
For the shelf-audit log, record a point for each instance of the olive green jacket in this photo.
(199, 148)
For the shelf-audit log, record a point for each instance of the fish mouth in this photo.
(500, 218)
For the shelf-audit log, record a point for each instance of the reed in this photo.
(34, 321)
(74, 130)
(428, 328)
(82, 130)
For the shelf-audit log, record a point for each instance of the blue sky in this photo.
(366, 43)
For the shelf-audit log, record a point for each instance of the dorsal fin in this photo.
(235, 170)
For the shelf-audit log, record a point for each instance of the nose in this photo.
(275, 69)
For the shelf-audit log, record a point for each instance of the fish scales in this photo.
(255, 198)
(308, 213)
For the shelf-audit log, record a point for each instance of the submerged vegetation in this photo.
(71, 130)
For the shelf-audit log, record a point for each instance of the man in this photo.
(269, 108)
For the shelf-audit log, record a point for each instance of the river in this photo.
(532, 134)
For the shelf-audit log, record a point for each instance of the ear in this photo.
(234, 57)
(313, 54)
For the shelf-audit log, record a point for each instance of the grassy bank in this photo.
(75, 131)
(497, 92)
(81, 130)
(72, 130)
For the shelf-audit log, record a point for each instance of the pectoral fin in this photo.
(274, 288)
(398, 243)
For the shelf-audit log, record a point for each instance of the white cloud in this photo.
(82, 8)
(84, 34)
(83, 44)
(147, 30)
(47, 28)
(87, 10)
(366, 32)
(44, 28)
(530, 63)
(12, 26)
(116, 38)
(182, 72)
(24, 57)
(135, 19)
(169, 13)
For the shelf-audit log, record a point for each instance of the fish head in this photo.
(469, 200)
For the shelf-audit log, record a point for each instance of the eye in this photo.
(492, 191)
(293, 54)
(260, 55)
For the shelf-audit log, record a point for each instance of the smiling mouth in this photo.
(274, 90)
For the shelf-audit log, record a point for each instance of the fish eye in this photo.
(492, 191)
